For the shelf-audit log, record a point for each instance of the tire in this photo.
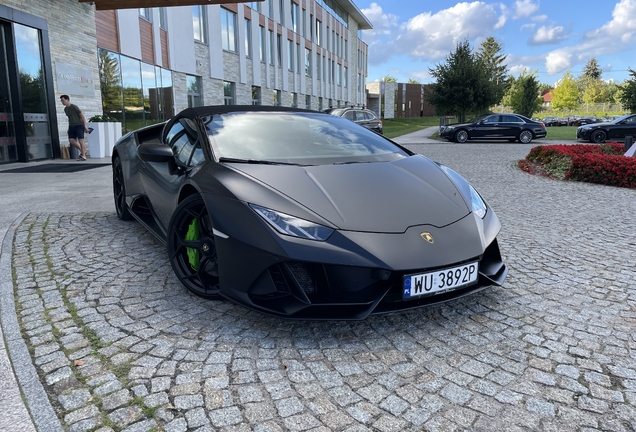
(119, 191)
(525, 136)
(598, 136)
(192, 248)
(461, 136)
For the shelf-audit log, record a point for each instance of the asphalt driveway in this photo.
(118, 343)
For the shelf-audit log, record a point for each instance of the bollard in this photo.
(629, 140)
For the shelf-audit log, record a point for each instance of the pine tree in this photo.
(628, 94)
(489, 55)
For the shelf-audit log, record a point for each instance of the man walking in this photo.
(76, 126)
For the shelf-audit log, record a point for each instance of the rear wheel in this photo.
(598, 137)
(461, 136)
(119, 191)
(192, 249)
(525, 137)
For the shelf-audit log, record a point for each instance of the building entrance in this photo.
(25, 129)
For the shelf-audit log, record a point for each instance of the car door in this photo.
(624, 128)
(486, 128)
(510, 126)
(162, 182)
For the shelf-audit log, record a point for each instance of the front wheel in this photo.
(525, 137)
(598, 137)
(461, 136)
(192, 248)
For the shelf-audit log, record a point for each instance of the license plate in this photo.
(439, 280)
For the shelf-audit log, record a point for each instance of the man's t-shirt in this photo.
(73, 113)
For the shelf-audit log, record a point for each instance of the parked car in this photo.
(569, 121)
(512, 127)
(616, 129)
(588, 120)
(551, 121)
(363, 117)
(270, 207)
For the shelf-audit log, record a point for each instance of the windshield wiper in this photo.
(257, 161)
(350, 162)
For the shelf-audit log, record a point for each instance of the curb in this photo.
(36, 399)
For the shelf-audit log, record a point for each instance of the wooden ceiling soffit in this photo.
(132, 4)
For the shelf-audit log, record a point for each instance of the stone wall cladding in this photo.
(73, 45)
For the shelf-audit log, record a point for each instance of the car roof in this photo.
(224, 109)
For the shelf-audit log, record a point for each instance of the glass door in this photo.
(28, 49)
(8, 150)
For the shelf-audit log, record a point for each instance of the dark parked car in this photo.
(302, 214)
(551, 121)
(588, 120)
(363, 117)
(616, 129)
(569, 121)
(495, 126)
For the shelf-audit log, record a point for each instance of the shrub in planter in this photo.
(603, 164)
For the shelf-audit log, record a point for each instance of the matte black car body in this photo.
(616, 129)
(511, 127)
(364, 117)
(382, 215)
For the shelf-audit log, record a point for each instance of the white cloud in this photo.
(549, 35)
(539, 18)
(517, 69)
(615, 36)
(524, 8)
(383, 24)
(530, 26)
(558, 61)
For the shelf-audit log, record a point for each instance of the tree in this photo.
(628, 96)
(523, 94)
(595, 92)
(592, 70)
(462, 86)
(544, 88)
(491, 59)
(566, 94)
(388, 78)
(413, 81)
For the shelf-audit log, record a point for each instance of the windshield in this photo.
(621, 118)
(295, 137)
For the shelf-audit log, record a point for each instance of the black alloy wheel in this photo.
(119, 191)
(192, 249)
(598, 137)
(461, 136)
(525, 136)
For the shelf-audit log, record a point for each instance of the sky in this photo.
(551, 37)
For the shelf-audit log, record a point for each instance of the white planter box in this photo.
(103, 138)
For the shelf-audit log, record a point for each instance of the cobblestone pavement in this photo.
(121, 345)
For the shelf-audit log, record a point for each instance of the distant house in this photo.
(547, 98)
(398, 100)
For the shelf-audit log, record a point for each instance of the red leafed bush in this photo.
(603, 164)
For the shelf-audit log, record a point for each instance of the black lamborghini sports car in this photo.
(302, 214)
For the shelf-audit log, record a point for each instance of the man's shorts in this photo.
(76, 132)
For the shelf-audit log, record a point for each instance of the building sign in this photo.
(74, 81)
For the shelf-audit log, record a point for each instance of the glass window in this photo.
(228, 30)
(270, 34)
(307, 62)
(294, 17)
(144, 13)
(511, 119)
(149, 87)
(319, 104)
(346, 77)
(162, 18)
(296, 137)
(268, 8)
(111, 85)
(248, 38)
(262, 44)
(308, 101)
(256, 95)
(167, 98)
(339, 75)
(228, 93)
(133, 96)
(290, 55)
(318, 65)
(491, 119)
(294, 102)
(279, 47)
(199, 23)
(194, 91)
(311, 28)
(350, 115)
(299, 59)
(278, 98)
(183, 139)
(318, 34)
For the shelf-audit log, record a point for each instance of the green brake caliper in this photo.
(193, 235)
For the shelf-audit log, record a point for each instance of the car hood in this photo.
(383, 197)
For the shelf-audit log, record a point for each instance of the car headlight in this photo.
(477, 204)
(293, 226)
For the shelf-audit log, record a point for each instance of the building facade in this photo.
(141, 66)
(399, 100)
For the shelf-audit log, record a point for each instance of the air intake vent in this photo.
(304, 276)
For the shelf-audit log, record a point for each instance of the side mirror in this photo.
(155, 153)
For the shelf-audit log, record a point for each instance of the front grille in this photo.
(304, 277)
